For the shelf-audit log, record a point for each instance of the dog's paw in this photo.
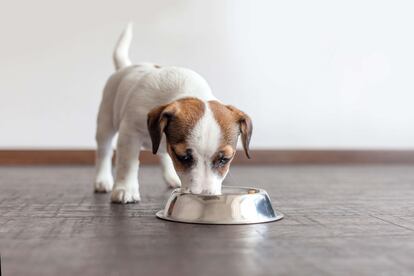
(125, 195)
(172, 180)
(103, 185)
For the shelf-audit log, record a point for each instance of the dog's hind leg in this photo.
(168, 172)
(105, 133)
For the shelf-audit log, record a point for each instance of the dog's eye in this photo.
(222, 161)
(185, 159)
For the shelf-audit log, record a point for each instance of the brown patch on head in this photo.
(179, 149)
(232, 122)
(227, 122)
(227, 151)
(178, 154)
(181, 155)
(189, 112)
(175, 120)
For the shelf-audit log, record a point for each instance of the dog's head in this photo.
(201, 140)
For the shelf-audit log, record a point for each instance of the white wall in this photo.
(312, 74)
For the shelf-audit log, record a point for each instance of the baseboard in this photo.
(259, 157)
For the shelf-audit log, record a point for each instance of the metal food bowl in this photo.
(236, 205)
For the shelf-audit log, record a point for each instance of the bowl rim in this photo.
(259, 191)
(178, 192)
(160, 215)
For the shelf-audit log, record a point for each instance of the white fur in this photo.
(129, 94)
(204, 140)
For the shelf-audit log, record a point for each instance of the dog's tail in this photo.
(121, 52)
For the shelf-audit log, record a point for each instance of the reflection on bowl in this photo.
(236, 205)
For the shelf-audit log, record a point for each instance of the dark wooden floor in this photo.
(339, 220)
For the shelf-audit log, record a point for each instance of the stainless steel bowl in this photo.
(236, 205)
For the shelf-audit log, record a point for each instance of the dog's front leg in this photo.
(126, 187)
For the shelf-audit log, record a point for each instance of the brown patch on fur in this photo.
(176, 120)
(232, 122)
(176, 150)
(157, 66)
(180, 149)
(227, 151)
(246, 128)
(189, 112)
(179, 167)
(227, 121)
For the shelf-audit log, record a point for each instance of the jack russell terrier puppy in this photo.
(174, 109)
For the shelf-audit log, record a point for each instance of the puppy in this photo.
(173, 111)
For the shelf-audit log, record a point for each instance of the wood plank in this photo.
(259, 157)
(339, 220)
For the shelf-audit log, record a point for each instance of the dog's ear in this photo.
(157, 120)
(245, 127)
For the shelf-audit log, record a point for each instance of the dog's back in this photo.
(133, 90)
